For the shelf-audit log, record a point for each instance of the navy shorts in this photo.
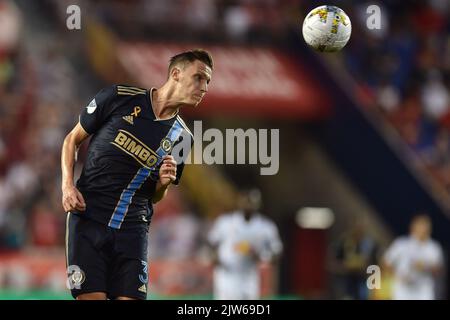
(103, 259)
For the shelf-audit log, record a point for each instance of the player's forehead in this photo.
(200, 67)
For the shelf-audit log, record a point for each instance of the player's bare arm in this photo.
(167, 175)
(214, 256)
(71, 197)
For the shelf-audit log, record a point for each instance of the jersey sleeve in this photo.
(98, 110)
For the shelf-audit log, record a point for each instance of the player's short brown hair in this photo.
(190, 56)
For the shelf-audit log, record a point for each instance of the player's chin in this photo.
(196, 100)
(195, 103)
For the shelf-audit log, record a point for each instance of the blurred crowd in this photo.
(238, 21)
(405, 68)
(37, 99)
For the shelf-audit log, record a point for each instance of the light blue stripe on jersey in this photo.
(173, 135)
(126, 197)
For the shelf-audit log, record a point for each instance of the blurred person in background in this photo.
(175, 230)
(356, 250)
(416, 261)
(129, 166)
(241, 240)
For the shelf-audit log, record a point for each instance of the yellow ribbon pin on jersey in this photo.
(136, 111)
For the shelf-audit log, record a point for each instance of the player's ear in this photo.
(175, 73)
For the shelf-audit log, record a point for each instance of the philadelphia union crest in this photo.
(166, 144)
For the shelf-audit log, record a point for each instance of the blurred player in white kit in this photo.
(415, 260)
(241, 239)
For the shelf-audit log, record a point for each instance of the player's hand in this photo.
(246, 249)
(419, 266)
(168, 171)
(72, 199)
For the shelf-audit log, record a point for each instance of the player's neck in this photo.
(163, 107)
(420, 238)
(247, 215)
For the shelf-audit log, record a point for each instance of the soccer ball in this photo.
(327, 28)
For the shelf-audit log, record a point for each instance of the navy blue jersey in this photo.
(124, 155)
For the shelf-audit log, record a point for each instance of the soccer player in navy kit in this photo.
(128, 167)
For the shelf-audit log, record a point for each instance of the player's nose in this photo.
(204, 88)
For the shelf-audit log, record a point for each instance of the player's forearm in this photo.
(68, 155)
(160, 192)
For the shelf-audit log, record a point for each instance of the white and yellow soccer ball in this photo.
(327, 29)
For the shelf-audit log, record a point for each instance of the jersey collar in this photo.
(150, 99)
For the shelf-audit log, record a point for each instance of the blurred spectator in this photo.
(435, 96)
(352, 255)
(416, 261)
(175, 230)
(44, 227)
(237, 22)
(200, 15)
(388, 97)
(241, 240)
(175, 237)
(10, 26)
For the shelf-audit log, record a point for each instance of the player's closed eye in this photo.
(199, 77)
